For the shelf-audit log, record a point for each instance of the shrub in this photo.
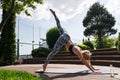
(89, 43)
(40, 52)
(52, 36)
(107, 42)
(83, 47)
(117, 43)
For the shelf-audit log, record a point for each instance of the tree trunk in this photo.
(100, 41)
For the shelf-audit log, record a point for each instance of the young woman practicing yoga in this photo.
(64, 40)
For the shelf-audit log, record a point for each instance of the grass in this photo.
(17, 75)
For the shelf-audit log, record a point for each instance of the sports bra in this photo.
(71, 47)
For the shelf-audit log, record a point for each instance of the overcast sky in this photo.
(71, 14)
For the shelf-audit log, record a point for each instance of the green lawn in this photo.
(17, 75)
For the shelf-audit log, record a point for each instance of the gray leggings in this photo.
(60, 29)
(62, 40)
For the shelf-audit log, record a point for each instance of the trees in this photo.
(8, 39)
(10, 11)
(107, 42)
(18, 6)
(89, 44)
(117, 43)
(99, 23)
(7, 27)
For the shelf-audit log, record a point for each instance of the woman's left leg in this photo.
(62, 40)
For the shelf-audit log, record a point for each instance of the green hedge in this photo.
(117, 43)
(40, 52)
(89, 43)
(83, 46)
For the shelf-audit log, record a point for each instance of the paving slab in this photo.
(67, 72)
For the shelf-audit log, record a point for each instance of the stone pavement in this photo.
(67, 72)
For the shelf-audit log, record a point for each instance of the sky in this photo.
(71, 14)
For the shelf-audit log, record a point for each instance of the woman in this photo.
(64, 40)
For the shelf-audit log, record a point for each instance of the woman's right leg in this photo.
(60, 29)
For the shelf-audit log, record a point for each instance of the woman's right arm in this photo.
(86, 62)
(78, 52)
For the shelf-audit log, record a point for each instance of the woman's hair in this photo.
(87, 54)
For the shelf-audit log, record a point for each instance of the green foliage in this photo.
(0, 49)
(117, 43)
(8, 47)
(22, 5)
(98, 23)
(107, 42)
(8, 40)
(17, 75)
(89, 43)
(83, 46)
(40, 52)
(52, 36)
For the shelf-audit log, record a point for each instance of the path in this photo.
(65, 72)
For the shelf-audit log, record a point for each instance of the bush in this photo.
(40, 52)
(107, 42)
(117, 43)
(83, 47)
(89, 43)
(52, 36)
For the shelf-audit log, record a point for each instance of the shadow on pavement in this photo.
(52, 75)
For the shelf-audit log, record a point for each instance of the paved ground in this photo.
(67, 72)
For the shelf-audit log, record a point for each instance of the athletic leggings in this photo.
(60, 29)
(62, 40)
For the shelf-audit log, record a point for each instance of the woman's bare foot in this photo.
(52, 11)
(44, 67)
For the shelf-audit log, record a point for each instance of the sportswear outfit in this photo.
(62, 40)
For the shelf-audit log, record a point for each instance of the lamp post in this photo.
(18, 41)
(39, 37)
(33, 39)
